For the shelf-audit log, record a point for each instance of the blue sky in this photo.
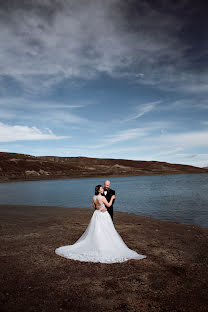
(111, 79)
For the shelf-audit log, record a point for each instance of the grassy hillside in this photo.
(26, 167)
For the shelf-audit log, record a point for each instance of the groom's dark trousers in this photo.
(108, 196)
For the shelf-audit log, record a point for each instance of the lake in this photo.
(181, 197)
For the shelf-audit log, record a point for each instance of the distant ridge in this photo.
(21, 167)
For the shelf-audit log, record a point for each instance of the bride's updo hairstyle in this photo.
(97, 189)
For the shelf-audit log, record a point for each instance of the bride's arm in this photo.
(93, 204)
(106, 203)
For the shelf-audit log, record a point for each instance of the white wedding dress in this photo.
(100, 242)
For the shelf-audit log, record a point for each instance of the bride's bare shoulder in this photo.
(103, 198)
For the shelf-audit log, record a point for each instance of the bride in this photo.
(100, 242)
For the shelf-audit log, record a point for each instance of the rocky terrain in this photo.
(173, 277)
(20, 167)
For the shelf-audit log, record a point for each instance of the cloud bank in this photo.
(53, 41)
(10, 133)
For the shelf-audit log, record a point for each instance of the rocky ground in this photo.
(21, 167)
(173, 277)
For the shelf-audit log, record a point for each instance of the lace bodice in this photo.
(98, 201)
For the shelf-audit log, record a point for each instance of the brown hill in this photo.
(14, 167)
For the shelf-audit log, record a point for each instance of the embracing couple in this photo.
(100, 242)
(108, 198)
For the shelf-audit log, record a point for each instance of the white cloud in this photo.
(54, 113)
(63, 117)
(142, 109)
(10, 133)
(125, 135)
(21, 102)
(188, 155)
(190, 103)
(187, 139)
(170, 152)
(196, 163)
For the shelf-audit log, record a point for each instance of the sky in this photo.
(119, 79)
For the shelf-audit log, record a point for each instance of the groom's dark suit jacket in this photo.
(108, 196)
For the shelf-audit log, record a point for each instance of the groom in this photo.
(108, 193)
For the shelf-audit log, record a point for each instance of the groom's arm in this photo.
(113, 193)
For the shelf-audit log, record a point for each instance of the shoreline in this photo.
(64, 209)
(173, 277)
(47, 178)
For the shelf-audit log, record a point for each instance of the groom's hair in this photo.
(97, 189)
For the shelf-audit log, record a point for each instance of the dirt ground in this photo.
(173, 277)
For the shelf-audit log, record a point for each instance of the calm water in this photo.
(182, 198)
